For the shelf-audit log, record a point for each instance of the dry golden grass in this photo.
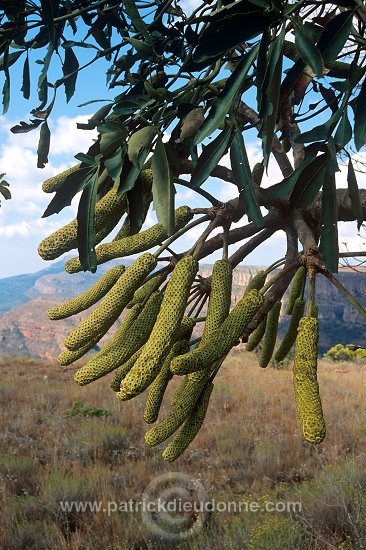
(249, 446)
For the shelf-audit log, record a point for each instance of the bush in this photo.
(342, 353)
(79, 408)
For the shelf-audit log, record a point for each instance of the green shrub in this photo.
(79, 408)
(342, 353)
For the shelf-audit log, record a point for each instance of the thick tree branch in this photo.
(249, 246)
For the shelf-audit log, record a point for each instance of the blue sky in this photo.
(21, 225)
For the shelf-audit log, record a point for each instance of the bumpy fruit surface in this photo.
(144, 290)
(257, 281)
(125, 368)
(134, 244)
(218, 306)
(108, 311)
(130, 337)
(291, 333)
(89, 297)
(67, 357)
(66, 238)
(257, 335)
(190, 428)
(180, 412)
(179, 391)
(165, 330)
(159, 385)
(222, 339)
(270, 335)
(52, 184)
(297, 286)
(307, 397)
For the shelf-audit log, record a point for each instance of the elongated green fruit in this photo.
(145, 289)
(223, 339)
(218, 306)
(66, 238)
(220, 298)
(115, 217)
(290, 336)
(67, 357)
(124, 231)
(131, 336)
(190, 428)
(125, 368)
(297, 286)
(257, 281)
(52, 184)
(165, 330)
(159, 385)
(108, 311)
(257, 335)
(134, 244)
(270, 335)
(89, 297)
(180, 412)
(307, 397)
(186, 328)
(184, 333)
(96, 367)
(179, 392)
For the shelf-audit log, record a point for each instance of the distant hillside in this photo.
(25, 329)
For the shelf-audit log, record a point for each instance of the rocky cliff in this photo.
(25, 329)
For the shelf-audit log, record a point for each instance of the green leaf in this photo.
(271, 94)
(142, 48)
(43, 145)
(97, 118)
(71, 43)
(6, 93)
(210, 157)
(163, 188)
(335, 35)
(354, 194)
(262, 66)
(134, 15)
(284, 188)
(234, 24)
(114, 164)
(136, 207)
(360, 117)
(86, 228)
(49, 12)
(343, 134)
(243, 178)
(7, 60)
(113, 135)
(26, 79)
(222, 105)
(308, 51)
(75, 182)
(139, 145)
(5, 192)
(321, 132)
(69, 69)
(328, 220)
(309, 182)
(42, 80)
(128, 176)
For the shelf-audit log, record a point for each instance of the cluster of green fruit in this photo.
(152, 343)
